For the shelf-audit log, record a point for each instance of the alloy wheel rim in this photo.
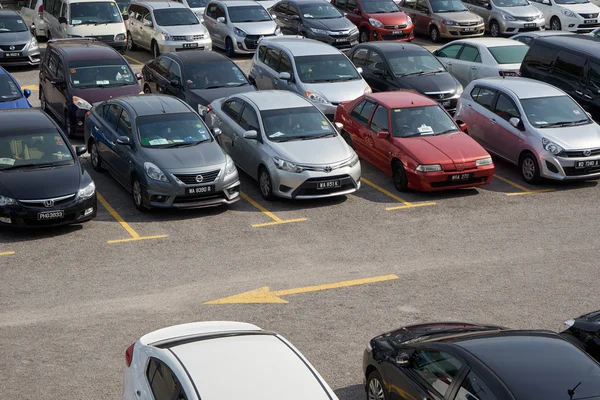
(129, 43)
(555, 25)
(375, 390)
(434, 34)
(147, 90)
(364, 37)
(137, 193)
(494, 30)
(94, 155)
(265, 183)
(528, 168)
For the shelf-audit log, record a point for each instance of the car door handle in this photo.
(473, 67)
(493, 120)
(449, 63)
(138, 393)
(587, 96)
(470, 106)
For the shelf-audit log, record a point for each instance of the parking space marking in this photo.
(30, 87)
(133, 59)
(7, 253)
(523, 189)
(275, 218)
(134, 235)
(406, 204)
(264, 295)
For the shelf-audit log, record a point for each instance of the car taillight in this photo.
(509, 73)
(129, 355)
(41, 9)
(208, 108)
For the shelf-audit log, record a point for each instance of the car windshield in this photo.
(34, 150)
(172, 130)
(421, 121)
(197, 3)
(84, 74)
(552, 112)
(12, 23)
(96, 13)
(511, 3)
(379, 7)
(248, 14)
(509, 54)
(571, 1)
(8, 90)
(214, 75)
(319, 11)
(325, 68)
(175, 16)
(407, 63)
(123, 5)
(300, 123)
(446, 6)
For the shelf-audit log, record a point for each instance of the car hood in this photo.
(19, 103)
(206, 96)
(186, 159)
(526, 11)
(448, 149)
(460, 16)
(183, 30)
(394, 18)
(9, 38)
(574, 137)
(336, 92)
(94, 95)
(314, 152)
(257, 28)
(586, 8)
(334, 24)
(443, 82)
(42, 183)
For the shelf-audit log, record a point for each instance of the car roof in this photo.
(24, 120)
(5, 11)
(240, 3)
(248, 366)
(274, 99)
(523, 88)
(302, 47)
(177, 332)
(584, 44)
(160, 4)
(402, 99)
(84, 49)
(544, 33)
(194, 57)
(145, 104)
(388, 47)
(490, 42)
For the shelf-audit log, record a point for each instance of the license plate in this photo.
(46, 215)
(469, 30)
(341, 40)
(587, 164)
(12, 54)
(329, 184)
(589, 21)
(188, 45)
(445, 103)
(398, 33)
(202, 190)
(460, 177)
(529, 25)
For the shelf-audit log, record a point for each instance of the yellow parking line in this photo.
(30, 87)
(133, 59)
(275, 218)
(405, 203)
(7, 253)
(523, 189)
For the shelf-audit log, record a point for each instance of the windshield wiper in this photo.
(446, 131)
(181, 144)
(303, 137)
(225, 85)
(563, 123)
(102, 22)
(26, 166)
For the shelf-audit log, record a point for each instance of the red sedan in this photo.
(413, 139)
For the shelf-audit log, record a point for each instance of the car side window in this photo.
(124, 125)
(569, 66)
(210, 10)
(174, 72)
(359, 57)
(474, 93)
(220, 12)
(148, 16)
(60, 71)
(470, 53)
(272, 58)
(56, 8)
(540, 57)
(351, 5)
(262, 50)
(340, 3)
(594, 77)
(281, 8)
(525, 39)
(162, 65)
(233, 108)
(362, 112)
(292, 11)
(285, 65)
(111, 115)
(379, 122)
(506, 108)
(409, 3)
(163, 382)
(373, 59)
(481, 3)
(485, 97)
(63, 11)
(474, 388)
(422, 6)
(450, 51)
(53, 63)
(436, 368)
(249, 120)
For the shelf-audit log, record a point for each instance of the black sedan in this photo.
(584, 331)
(42, 182)
(389, 66)
(196, 77)
(455, 360)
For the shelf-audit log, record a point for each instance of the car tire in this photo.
(375, 387)
(434, 34)
(48, 34)
(364, 36)
(69, 128)
(43, 103)
(530, 170)
(265, 184)
(494, 29)
(399, 177)
(131, 46)
(346, 136)
(137, 194)
(555, 24)
(229, 51)
(155, 50)
(95, 156)
(147, 89)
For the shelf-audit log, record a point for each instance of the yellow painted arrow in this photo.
(264, 295)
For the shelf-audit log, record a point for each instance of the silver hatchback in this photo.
(285, 143)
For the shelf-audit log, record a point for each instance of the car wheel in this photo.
(43, 104)
(95, 156)
(530, 171)
(434, 34)
(147, 89)
(229, 51)
(48, 34)
(137, 193)
(69, 128)
(266, 184)
(131, 46)
(555, 24)
(346, 136)
(364, 36)
(494, 29)
(155, 50)
(375, 388)
(399, 177)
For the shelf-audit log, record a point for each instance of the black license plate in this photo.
(341, 40)
(529, 25)
(587, 164)
(188, 45)
(589, 21)
(329, 184)
(17, 54)
(202, 190)
(46, 215)
(460, 177)
(398, 33)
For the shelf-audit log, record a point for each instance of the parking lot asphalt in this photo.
(327, 274)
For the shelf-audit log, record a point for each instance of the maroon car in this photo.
(77, 73)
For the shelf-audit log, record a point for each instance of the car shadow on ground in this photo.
(353, 392)
(17, 235)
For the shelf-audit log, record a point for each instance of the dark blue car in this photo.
(11, 95)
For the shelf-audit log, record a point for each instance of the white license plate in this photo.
(589, 21)
(46, 215)
(200, 190)
(12, 54)
(329, 184)
(587, 164)
(397, 33)
(469, 30)
(529, 25)
(341, 40)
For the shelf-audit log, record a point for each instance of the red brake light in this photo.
(41, 9)
(129, 355)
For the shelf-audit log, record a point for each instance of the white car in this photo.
(595, 33)
(470, 59)
(570, 15)
(219, 360)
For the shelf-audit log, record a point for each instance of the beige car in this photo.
(443, 19)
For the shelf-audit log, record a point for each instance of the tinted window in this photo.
(53, 63)
(8, 90)
(233, 108)
(359, 58)
(506, 108)
(174, 72)
(508, 54)
(485, 97)
(470, 53)
(569, 65)
(474, 92)
(474, 388)
(351, 5)
(162, 65)
(525, 39)
(594, 74)
(379, 123)
(163, 382)
(379, 6)
(540, 57)
(12, 23)
(272, 58)
(60, 70)
(124, 126)
(340, 3)
(280, 8)
(314, 11)
(362, 112)
(56, 9)
(214, 75)
(407, 62)
(94, 12)
(111, 115)
(285, 65)
(262, 50)
(249, 121)
(422, 6)
(438, 369)
(449, 51)
(175, 16)
(374, 58)
(211, 11)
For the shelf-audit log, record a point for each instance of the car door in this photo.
(107, 133)
(568, 75)
(60, 93)
(505, 139)
(134, 22)
(592, 90)
(408, 6)
(47, 73)
(246, 150)
(353, 12)
(359, 131)
(525, 40)
(163, 382)
(221, 27)
(231, 112)
(269, 74)
(174, 85)
(146, 28)
(124, 154)
(422, 16)
(481, 8)
(377, 70)
(467, 65)
(380, 146)
(435, 372)
(448, 54)
(482, 115)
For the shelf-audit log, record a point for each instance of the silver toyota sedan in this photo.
(534, 125)
(284, 142)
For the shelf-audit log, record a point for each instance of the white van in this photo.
(33, 14)
(100, 19)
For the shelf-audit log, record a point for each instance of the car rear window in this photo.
(509, 54)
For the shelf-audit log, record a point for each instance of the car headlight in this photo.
(312, 96)
(408, 20)
(484, 161)
(286, 165)
(353, 161)
(7, 201)
(238, 32)
(202, 109)
(428, 167)
(376, 23)
(480, 21)
(508, 17)
(33, 44)
(449, 22)
(568, 13)
(166, 37)
(120, 36)
(87, 192)
(460, 89)
(369, 347)
(353, 31)
(319, 31)
(229, 166)
(551, 147)
(81, 103)
(154, 172)
(278, 31)
(368, 90)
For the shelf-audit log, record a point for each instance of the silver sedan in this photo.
(285, 143)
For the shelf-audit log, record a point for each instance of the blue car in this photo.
(11, 95)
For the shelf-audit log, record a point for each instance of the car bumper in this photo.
(23, 216)
(305, 185)
(514, 27)
(176, 46)
(340, 42)
(564, 168)
(120, 45)
(248, 44)
(328, 109)
(400, 34)
(447, 31)
(441, 180)
(578, 25)
(449, 103)
(25, 58)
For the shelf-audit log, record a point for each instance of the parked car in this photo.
(315, 19)
(377, 19)
(456, 360)
(197, 6)
(285, 143)
(77, 73)
(313, 69)
(165, 27)
(42, 182)
(571, 63)
(160, 150)
(471, 59)
(237, 26)
(18, 46)
(411, 138)
(100, 19)
(11, 95)
(387, 67)
(595, 33)
(193, 361)
(579, 16)
(197, 77)
(584, 332)
(443, 19)
(507, 17)
(533, 125)
(33, 14)
(528, 37)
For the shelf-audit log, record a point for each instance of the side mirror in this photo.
(148, 23)
(435, 53)
(80, 149)
(125, 17)
(21, 4)
(221, 20)
(138, 76)
(547, 2)
(27, 93)
(285, 76)
(339, 126)
(514, 122)
(252, 134)
(217, 131)
(403, 359)
(382, 135)
(356, 11)
(489, 6)
(462, 126)
(345, 14)
(273, 16)
(58, 81)
(175, 83)
(588, 114)
(379, 72)
(62, 20)
(359, 70)
(124, 140)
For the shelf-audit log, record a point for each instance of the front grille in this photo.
(572, 171)
(525, 18)
(57, 201)
(309, 187)
(439, 96)
(458, 183)
(103, 38)
(394, 37)
(14, 60)
(588, 16)
(395, 26)
(15, 47)
(194, 179)
(251, 41)
(187, 38)
(472, 23)
(565, 153)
